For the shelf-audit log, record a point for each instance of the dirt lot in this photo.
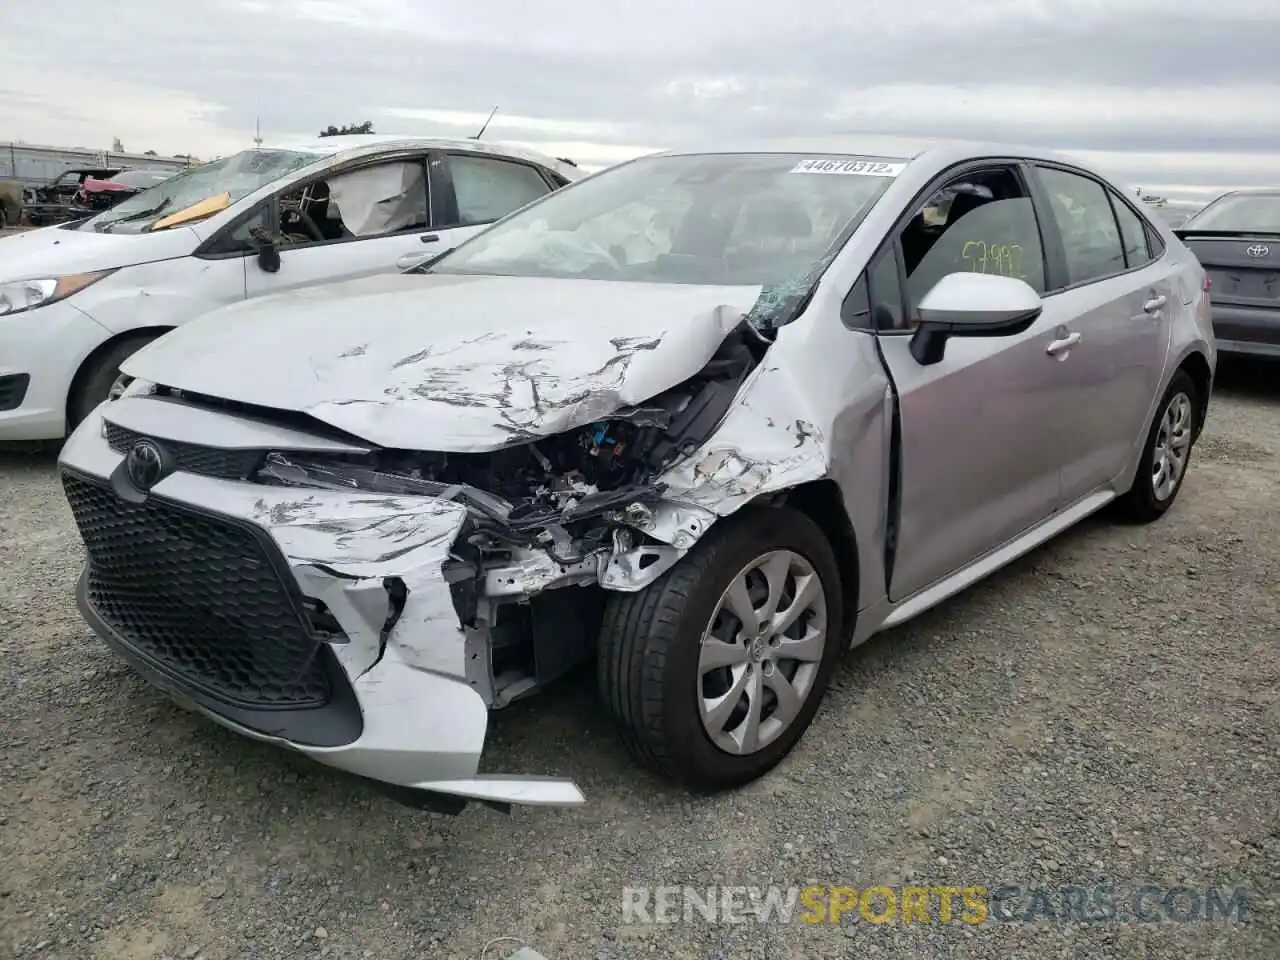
(1107, 710)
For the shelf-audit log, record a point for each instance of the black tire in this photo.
(650, 646)
(1141, 504)
(99, 373)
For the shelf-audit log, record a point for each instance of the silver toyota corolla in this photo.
(705, 418)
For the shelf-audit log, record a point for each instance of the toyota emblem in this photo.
(1258, 250)
(145, 464)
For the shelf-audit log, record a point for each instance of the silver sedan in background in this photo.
(706, 418)
(1237, 240)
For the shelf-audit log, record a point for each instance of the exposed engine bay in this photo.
(524, 494)
(545, 515)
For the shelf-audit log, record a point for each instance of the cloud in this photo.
(1183, 95)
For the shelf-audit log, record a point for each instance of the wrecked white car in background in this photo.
(77, 299)
(704, 417)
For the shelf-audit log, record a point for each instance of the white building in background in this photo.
(34, 165)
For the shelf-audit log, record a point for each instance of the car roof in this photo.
(943, 151)
(363, 144)
(1251, 192)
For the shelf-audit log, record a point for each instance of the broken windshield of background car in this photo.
(236, 176)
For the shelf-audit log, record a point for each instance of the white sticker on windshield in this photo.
(849, 168)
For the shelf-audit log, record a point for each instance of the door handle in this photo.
(1058, 348)
(429, 237)
(1154, 304)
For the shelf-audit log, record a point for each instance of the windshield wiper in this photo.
(104, 226)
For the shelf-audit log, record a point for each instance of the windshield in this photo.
(140, 178)
(1239, 213)
(230, 178)
(772, 220)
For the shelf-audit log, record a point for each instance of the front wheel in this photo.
(716, 669)
(101, 379)
(1166, 455)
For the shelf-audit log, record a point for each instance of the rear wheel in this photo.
(1166, 455)
(716, 669)
(101, 379)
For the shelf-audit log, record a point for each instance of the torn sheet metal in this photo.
(769, 441)
(450, 363)
(344, 546)
(358, 534)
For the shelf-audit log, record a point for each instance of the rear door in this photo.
(473, 190)
(1117, 299)
(1245, 292)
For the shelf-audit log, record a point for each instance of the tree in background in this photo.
(332, 131)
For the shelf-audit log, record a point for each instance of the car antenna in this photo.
(486, 124)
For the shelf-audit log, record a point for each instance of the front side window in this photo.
(982, 223)
(373, 201)
(199, 192)
(488, 189)
(1090, 236)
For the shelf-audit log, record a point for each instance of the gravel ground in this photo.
(1106, 710)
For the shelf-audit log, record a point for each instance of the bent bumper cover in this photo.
(407, 696)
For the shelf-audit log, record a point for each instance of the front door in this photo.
(977, 462)
(346, 225)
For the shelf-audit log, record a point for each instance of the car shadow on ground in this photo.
(1248, 378)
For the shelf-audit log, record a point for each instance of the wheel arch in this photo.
(821, 502)
(1196, 366)
(87, 364)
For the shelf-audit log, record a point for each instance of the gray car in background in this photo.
(1237, 239)
(704, 419)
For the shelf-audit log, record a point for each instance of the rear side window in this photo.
(1133, 233)
(488, 189)
(1090, 236)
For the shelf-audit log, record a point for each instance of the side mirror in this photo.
(972, 305)
(268, 256)
(268, 252)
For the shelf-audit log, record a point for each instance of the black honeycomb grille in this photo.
(197, 596)
(192, 458)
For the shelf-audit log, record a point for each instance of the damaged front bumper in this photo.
(319, 620)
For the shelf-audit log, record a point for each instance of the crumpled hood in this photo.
(54, 252)
(451, 363)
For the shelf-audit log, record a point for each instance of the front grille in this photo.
(198, 597)
(13, 390)
(192, 458)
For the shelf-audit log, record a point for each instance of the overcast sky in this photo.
(1173, 97)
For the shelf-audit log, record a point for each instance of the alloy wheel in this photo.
(761, 651)
(1173, 447)
(118, 386)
